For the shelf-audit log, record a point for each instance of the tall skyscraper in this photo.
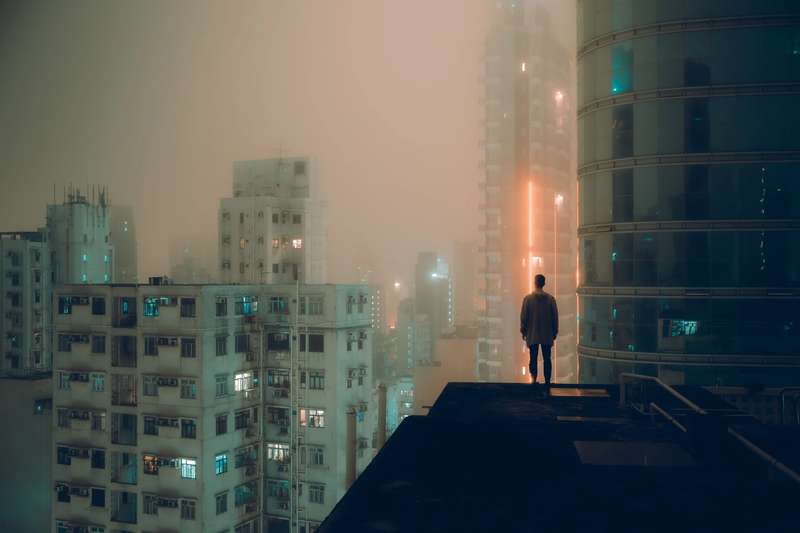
(78, 233)
(123, 237)
(528, 191)
(689, 197)
(273, 229)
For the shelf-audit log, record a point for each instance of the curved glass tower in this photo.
(689, 182)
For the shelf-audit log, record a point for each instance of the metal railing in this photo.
(625, 378)
(628, 377)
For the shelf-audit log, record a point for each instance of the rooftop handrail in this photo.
(626, 377)
(748, 444)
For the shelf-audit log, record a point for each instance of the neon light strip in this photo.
(530, 236)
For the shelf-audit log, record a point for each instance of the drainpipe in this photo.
(381, 415)
(350, 460)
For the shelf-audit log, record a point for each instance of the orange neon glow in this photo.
(530, 235)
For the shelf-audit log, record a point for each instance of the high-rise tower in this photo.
(689, 197)
(527, 224)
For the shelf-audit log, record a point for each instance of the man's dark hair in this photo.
(539, 279)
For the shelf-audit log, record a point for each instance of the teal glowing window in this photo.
(84, 277)
(246, 305)
(64, 305)
(105, 259)
(621, 68)
(84, 258)
(151, 306)
(105, 277)
(682, 328)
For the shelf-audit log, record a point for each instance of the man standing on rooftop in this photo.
(539, 327)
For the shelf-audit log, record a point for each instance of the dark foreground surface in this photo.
(507, 457)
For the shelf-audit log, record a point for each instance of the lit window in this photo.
(276, 243)
(220, 463)
(297, 243)
(243, 381)
(188, 468)
(313, 418)
(84, 258)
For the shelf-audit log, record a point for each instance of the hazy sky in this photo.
(156, 99)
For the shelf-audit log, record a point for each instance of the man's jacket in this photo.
(539, 318)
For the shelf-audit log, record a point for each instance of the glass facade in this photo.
(689, 184)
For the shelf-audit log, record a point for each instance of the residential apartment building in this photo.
(25, 303)
(164, 392)
(272, 230)
(326, 336)
(79, 235)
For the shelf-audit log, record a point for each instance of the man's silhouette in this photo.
(539, 327)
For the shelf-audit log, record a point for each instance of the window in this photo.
(222, 345)
(276, 268)
(151, 306)
(316, 493)
(188, 428)
(63, 456)
(278, 488)
(245, 305)
(297, 219)
(314, 305)
(316, 379)
(222, 424)
(221, 386)
(123, 429)
(277, 452)
(278, 342)
(297, 243)
(150, 385)
(243, 381)
(222, 502)
(188, 389)
(316, 343)
(63, 381)
(123, 507)
(299, 168)
(64, 305)
(188, 347)
(244, 494)
(313, 418)
(246, 456)
(188, 468)
(150, 427)
(62, 493)
(241, 419)
(275, 218)
(98, 458)
(98, 498)
(277, 377)
(276, 243)
(188, 508)
(123, 389)
(316, 455)
(242, 342)
(222, 306)
(151, 345)
(150, 504)
(187, 308)
(99, 344)
(98, 306)
(64, 343)
(221, 463)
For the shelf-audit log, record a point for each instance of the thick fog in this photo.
(156, 99)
